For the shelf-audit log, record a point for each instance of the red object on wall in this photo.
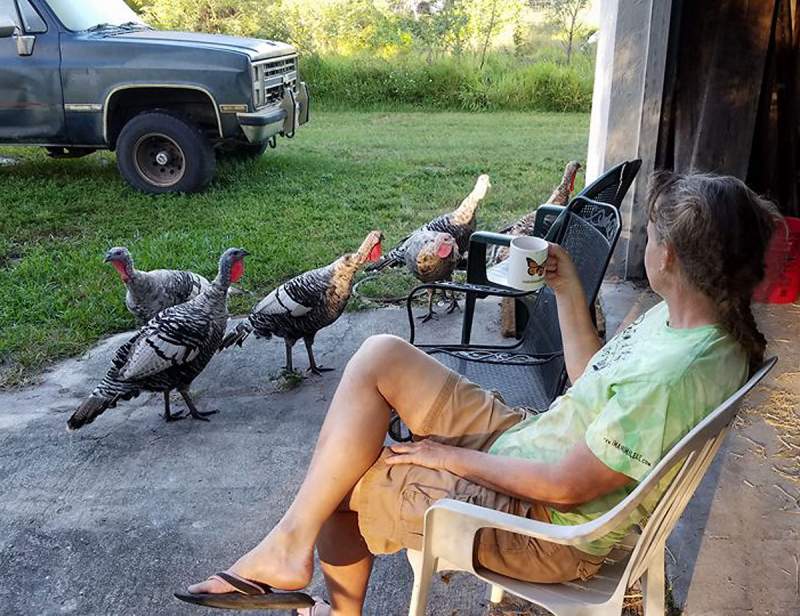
(781, 284)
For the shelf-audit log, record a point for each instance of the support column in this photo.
(626, 110)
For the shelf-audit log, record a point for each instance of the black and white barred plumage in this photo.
(169, 351)
(460, 224)
(307, 303)
(148, 293)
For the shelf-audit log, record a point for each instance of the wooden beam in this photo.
(658, 20)
(626, 110)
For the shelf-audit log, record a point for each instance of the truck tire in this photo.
(163, 152)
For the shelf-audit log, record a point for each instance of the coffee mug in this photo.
(526, 257)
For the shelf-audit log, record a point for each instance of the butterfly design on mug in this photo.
(534, 269)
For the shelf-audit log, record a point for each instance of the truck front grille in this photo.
(271, 76)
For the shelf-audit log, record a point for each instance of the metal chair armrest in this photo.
(476, 258)
(491, 238)
(541, 227)
(478, 290)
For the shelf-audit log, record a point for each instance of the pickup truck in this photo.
(76, 77)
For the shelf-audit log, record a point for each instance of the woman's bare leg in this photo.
(346, 563)
(385, 373)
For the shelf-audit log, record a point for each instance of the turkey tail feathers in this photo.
(237, 336)
(91, 408)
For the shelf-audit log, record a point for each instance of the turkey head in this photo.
(121, 259)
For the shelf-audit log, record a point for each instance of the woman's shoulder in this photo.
(665, 356)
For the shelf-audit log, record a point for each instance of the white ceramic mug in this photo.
(526, 259)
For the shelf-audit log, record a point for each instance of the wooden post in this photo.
(626, 110)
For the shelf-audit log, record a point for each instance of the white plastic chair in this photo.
(451, 526)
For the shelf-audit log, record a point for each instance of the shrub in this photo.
(505, 83)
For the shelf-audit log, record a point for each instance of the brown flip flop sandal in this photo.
(249, 595)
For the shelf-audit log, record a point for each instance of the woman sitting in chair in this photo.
(630, 402)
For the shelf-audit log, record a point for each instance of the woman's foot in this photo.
(279, 561)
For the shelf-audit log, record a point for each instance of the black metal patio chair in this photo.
(530, 372)
(610, 188)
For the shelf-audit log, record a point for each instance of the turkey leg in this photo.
(453, 299)
(288, 368)
(431, 312)
(313, 368)
(167, 415)
(193, 409)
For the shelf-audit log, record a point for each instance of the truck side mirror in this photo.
(7, 26)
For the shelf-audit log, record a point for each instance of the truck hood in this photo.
(256, 49)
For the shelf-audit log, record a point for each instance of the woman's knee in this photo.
(382, 358)
(381, 351)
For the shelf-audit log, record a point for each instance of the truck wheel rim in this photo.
(159, 160)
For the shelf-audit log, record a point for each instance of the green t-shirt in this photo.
(639, 395)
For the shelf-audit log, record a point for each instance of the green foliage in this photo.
(385, 28)
(299, 206)
(241, 17)
(368, 82)
(564, 16)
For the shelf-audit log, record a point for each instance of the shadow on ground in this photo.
(112, 519)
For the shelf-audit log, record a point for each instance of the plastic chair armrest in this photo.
(451, 527)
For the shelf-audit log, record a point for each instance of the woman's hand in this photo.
(426, 452)
(560, 273)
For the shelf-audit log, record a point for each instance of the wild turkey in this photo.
(460, 224)
(170, 351)
(307, 303)
(151, 292)
(525, 225)
(432, 256)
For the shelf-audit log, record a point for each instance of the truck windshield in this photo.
(77, 16)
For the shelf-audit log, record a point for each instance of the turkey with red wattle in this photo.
(169, 351)
(148, 293)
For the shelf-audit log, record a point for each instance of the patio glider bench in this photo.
(451, 527)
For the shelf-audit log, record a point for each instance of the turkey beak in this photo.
(245, 253)
(107, 258)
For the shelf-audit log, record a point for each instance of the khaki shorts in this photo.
(391, 500)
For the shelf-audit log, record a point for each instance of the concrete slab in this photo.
(112, 519)
(736, 550)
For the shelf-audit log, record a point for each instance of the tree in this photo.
(240, 17)
(565, 16)
(437, 27)
(488, 18)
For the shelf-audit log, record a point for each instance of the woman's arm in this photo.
(580, 338)
(579, 478)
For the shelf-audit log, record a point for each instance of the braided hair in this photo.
(720, 230)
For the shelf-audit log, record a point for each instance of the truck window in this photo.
(78, 16)
(7, 9)
(31, 20)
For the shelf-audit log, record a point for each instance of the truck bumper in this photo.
(284, 118)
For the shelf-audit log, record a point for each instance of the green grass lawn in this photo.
(296, 208)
